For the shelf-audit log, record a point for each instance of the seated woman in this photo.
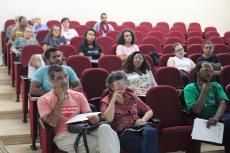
(89, 47)
(185, 65)
(19, 43)
(139, 73)
(54, 38)
(66, 31)
(126, 44)
(208, 100)
(122, 108)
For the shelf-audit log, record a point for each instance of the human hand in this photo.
(206, 86)
(212, 121)
(117, 96)
(140, 121)
(58, 91)
(93, 119)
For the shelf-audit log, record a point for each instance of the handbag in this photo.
(83, 128)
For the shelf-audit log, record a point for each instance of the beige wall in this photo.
(207, 12)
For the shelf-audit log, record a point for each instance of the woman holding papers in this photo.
(208, 100)
(123, 108)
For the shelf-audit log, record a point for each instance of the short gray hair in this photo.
(53, 69)
(115, 76)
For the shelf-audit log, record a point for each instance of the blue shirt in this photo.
(41, 76)
(21, 42)
(39, 28)
(54, 42)
(96, 27)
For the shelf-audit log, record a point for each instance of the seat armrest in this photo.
(17, 62)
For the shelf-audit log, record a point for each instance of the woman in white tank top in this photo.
(185, 65)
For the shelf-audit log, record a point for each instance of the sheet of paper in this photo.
(212, 134)
(81, 117)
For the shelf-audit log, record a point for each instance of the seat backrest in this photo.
(167, 49)
(93, 82)
(176, 34)
(81, 29)
(164, 102)
(153, 41)
(169, 76)
(73, 24)
(224, 58)
(113, 23)
(90, 24)
(208, 29)
(147, 25)
(179, 24)
(67, 50)
(142, 29)
(194, 40)
(139, 37)
(157, 34)
(211, 34)
(164, 59)
(78, 64)
(194, 48)
(194, 56)
(216, 40)
(106, 43)
(147, 48)
(163, 24)
(129, 24)
(226, 36)
(225, 76)
(221, 48)
(51, 23)
(113, 34)
(110, 63)
(41, 35)
(76, 42)
(173, 40)
(195, 33)
(28, 51)
(8, 23)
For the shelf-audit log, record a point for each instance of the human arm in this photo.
(148, 115)
(54, 116)
(171, 62)
(35, 89)
(221, 109)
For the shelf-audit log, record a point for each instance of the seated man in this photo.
(209, 56)
(38, 26)
(208, 100)
(59, 105)
(40, 81)
(103, 27)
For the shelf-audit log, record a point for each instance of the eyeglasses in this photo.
(180, 49)
(208, 47)
(120, 82)
(56, 30)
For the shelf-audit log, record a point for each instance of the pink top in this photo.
(123, 50)
(125, 114)
(76, 104)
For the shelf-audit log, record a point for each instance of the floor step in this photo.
(13, 131)
(3, 148)
(4, 115)
(23, 148)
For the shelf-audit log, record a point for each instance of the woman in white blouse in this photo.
(138, 70)
(185, 65)
(66, 31)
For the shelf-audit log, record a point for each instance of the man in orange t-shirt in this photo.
(60, 104)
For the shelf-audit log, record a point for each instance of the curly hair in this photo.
(121, 39)
(129, 67)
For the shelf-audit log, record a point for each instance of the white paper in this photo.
(212, 134)
(81, 117)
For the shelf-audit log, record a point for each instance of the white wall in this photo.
(207, 12)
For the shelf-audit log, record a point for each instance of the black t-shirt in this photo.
(212, 59)
(93, 52)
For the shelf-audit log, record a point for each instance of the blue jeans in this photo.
(144, 141)
(226, 140)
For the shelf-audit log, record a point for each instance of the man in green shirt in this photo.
(208, 100)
